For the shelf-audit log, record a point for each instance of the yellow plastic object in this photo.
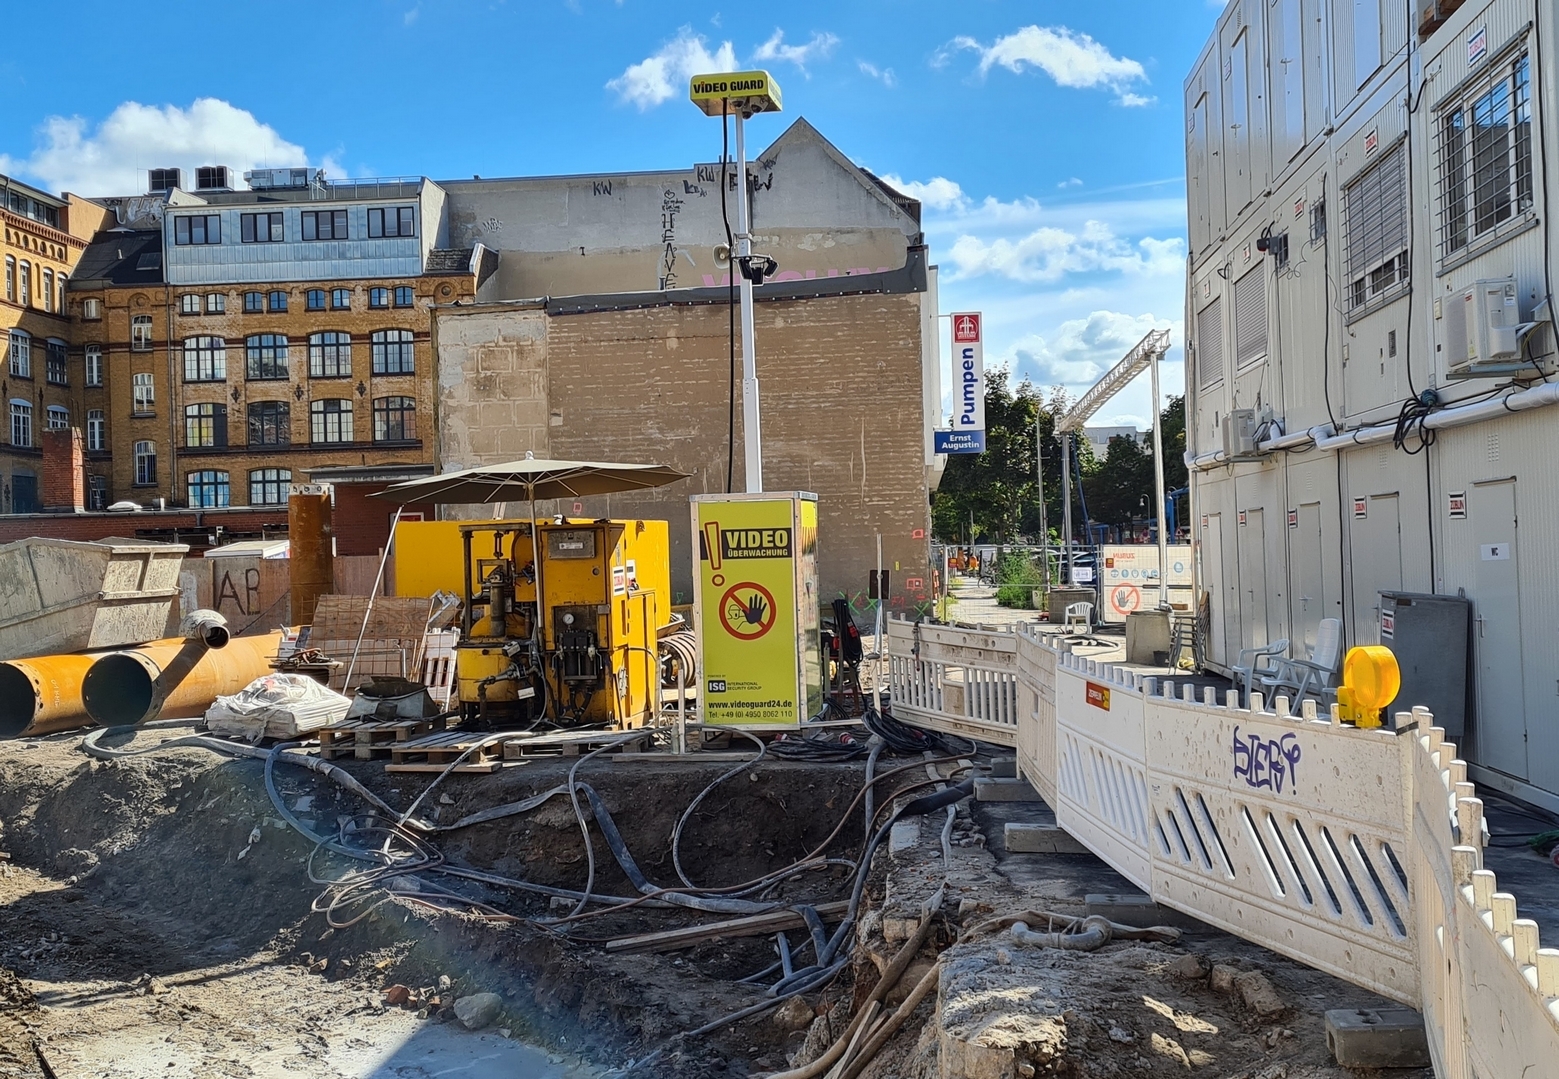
(1371, 680)
(742, 92)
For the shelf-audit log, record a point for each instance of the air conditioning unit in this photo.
(159, 180)
(1481, 331)
(211, 178)
(1239, 433)
(272, 179)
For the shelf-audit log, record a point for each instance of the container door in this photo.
(1496, 629)
(1253, 578)
(1308, 598)
(1375, 543)
(1223, 586)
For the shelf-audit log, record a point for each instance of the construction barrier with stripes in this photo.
(1357, 852)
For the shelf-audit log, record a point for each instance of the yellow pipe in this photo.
(43, 695)
(170, 679)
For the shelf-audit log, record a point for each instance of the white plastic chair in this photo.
(1079, 616)
(1258, 664)
(1313, 675)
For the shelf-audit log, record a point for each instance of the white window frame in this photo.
(93, 357)
(21, 422)
(143, 388)
(97, 429)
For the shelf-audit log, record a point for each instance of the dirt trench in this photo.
(168, 882)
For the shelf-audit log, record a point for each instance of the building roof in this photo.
(120, 256)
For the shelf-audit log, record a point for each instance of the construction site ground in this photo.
(157, 921)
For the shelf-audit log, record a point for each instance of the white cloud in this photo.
(937, 193)
(1073, 60)
(1073, 182)
(657, 78)
(1079, 350)
(113, 159)
(819, 47)
(411, 15)
(1048, 253)
(884, 75)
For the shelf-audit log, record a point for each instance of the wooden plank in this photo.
(482, 768)
(570, 744)
(751, 925)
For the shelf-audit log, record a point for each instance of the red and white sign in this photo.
(1458, 501)
(1097, 695)
(919, 533)
(1361, 508)
(966, 329)
(1293, 518)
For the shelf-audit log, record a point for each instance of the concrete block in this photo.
(904, 836)
(1004, 767)
(1023, 838)
(1377, 1038)
(990, 789)
(1136, 909)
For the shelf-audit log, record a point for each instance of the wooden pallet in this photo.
(435, 753)
(369, 738)
(572, 744)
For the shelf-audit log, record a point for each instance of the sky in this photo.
(1044, 139)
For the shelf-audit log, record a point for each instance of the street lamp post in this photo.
(743, 94)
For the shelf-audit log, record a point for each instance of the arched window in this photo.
(395, 419)
(21, 354)
(208, 489)
(145, 464)
(205, 359)
(391, 351)
(330, 355)
(268, 486)
(330, 420)
(266, 355)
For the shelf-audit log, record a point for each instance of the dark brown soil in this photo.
(149, 869)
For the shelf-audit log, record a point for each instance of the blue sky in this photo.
(1044, 138)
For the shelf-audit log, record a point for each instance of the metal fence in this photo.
(1357, 852)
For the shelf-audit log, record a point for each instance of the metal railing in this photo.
(1357, 852)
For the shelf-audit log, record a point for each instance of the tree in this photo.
(997, 486)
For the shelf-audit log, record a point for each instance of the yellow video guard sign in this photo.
(748, 92)
(757, 611)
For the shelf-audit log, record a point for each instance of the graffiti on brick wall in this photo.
(670, 206)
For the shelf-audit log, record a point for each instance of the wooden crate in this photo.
(435, 752)
(366, 739)
(571, 744)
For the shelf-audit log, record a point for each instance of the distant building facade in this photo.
(43, 383)
(246, 336)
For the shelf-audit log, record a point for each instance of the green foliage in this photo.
(997, 488)
(1017, 575)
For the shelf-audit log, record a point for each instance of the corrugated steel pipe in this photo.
(42, 695)
(172, 679)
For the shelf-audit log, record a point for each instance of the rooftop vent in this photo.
(163, 180)
(212, 178)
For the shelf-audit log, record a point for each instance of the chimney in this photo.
(64, 472)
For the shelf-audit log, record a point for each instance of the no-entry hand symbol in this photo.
(747, 611)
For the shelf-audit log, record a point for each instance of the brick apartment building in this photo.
(44, 237)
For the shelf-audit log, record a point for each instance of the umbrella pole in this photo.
(541, 607)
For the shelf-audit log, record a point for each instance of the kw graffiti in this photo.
(1266, 763)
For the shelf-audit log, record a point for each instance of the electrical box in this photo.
(1239, 432)
(1480, 329)
(1429, 635)
(755, 610)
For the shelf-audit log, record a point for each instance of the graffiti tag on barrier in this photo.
(1266, 763)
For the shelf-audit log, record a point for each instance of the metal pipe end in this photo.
(19, 700)
(118, 689)
(206, 626)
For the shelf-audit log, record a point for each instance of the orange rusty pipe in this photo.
(42, 695)
(170, 679)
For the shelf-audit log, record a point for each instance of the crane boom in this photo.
(1152, 346)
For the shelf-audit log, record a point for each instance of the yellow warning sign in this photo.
(746, 92)
(756, 609)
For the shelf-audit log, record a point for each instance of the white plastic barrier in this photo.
(1490, 993)
(955, 679)
(1357, 852)
(1036, 733)
(1287, 831)
(1101, 764)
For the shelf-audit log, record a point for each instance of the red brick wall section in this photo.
(362, 524)
(192, 527)
(64, 473)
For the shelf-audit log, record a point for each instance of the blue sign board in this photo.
(958, 441)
